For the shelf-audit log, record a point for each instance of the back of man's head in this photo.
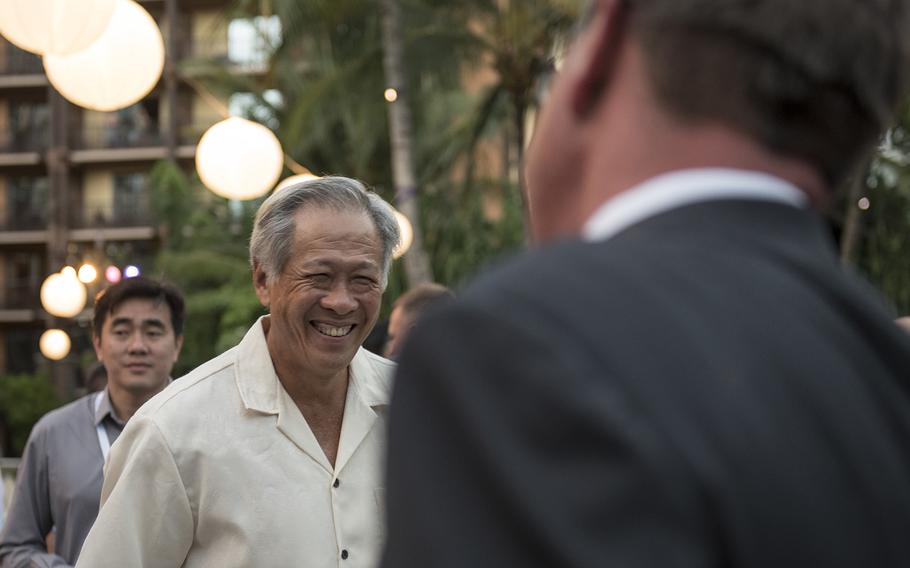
(419, 298)
(107, 301)
(816, 80)
(407, 310)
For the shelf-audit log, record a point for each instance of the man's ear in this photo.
(598, 51)
(260, 284)
(96, 343)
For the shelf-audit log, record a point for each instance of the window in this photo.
(29, 125)
(131, 199)
(26, 203)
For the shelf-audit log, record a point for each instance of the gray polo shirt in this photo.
(58, 484)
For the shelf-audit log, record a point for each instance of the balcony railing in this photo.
(140, 216)
(30, 140)
(18, 62)
(20, 295)
(120, 137)
(27, 220)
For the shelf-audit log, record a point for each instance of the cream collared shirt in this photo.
(222, 470)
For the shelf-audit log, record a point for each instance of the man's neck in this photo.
(706, 146)
(125, 402)
(321, 402)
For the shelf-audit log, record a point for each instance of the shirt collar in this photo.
(104, 408)
(676, 189)
(258, 383)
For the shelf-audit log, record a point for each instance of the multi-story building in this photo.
(74, 183)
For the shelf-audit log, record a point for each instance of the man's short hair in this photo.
(816, 80)
(140, 287)
(421, 297)
(273, 231)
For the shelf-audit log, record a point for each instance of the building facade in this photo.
(74, 183)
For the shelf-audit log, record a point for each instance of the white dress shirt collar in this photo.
(676, 189)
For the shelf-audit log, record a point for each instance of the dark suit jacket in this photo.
(707, 388)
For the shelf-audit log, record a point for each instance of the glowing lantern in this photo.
(239, 159)
(87, 273)
(62, 294)
(118, 69)
(54, 344)
(407, 235)
(54, 26)
(289, 181)
(112, 274)
(131, 271)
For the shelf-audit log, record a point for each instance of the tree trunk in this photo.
(416, 264)
(521, 112)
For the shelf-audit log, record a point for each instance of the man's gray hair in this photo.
(273, 231)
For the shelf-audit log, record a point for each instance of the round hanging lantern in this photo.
(54, 26)
(118, 69)
(54, 344)
(62, 294)
(239, 159)
(87, 273)
(289, 181)
(112, 274)
(407, 235)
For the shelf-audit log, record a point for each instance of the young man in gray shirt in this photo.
(137, 334)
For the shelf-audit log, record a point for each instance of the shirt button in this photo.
(336, 484)
(344, 554)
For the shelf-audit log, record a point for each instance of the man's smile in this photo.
(332, 330)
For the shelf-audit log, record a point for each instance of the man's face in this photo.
(399, 325)
(326, 300)
(137, 345)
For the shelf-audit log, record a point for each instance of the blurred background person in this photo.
(137, 332)
(95, 378)
(408, 309)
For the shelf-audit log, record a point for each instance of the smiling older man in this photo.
(270, 454)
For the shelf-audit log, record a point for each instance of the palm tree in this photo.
(417, 265)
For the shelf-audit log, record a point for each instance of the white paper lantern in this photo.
(407, 235)
(239, 159)
(289, 181)
(54, 26)
(54, 344)
(118, 69)
(87, 273)
(62, 294)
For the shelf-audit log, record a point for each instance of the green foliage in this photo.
(23, 400)
(204, 253)
(883, 255)
(332, 117)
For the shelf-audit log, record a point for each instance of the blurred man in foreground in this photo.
(408, 309)
(138, 333)
(691, 379)
(271, 453)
